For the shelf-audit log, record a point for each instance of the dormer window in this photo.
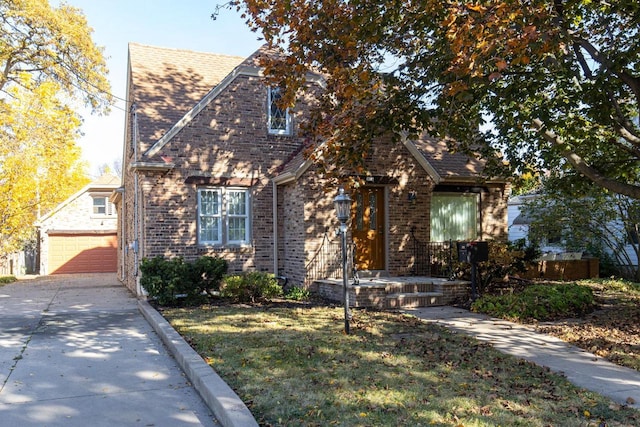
(279, 118)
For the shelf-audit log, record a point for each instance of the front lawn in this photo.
(294, 366)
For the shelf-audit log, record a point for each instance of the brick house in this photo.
(212, 166)
(80, 234)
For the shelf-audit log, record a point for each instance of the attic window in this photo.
(279, 118)
(102, 206)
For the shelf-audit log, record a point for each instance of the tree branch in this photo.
(581, 165)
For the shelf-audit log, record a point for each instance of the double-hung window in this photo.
(102, 206)
(454, 217)
(223, 216)
(279, 119)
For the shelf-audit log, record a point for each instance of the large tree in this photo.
(545, 84)
(52, 44)
(48, 61)
(39, 159)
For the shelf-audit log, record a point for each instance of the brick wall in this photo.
(226, 142)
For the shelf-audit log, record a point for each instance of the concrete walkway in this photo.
(76, 351)
(580, 367)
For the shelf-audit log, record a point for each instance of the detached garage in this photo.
(83, 252)
(80, 235)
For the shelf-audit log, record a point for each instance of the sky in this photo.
(185, 24)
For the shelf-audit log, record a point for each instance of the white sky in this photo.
(183, 24)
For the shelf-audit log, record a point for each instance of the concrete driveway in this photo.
(75, 351)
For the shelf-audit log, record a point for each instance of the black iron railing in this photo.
(327, 261)
(432, 259)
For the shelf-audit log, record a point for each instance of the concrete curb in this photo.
(219, 397)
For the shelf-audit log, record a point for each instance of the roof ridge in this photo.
(175, 49)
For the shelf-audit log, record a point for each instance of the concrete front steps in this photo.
(383, 292)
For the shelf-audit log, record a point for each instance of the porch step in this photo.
(409, 287)
(369, 274)
(395, 292)
(414, 299)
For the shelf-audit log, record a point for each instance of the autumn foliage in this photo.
(544, 84)
(48, 62)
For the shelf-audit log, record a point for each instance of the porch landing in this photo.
(396, 292)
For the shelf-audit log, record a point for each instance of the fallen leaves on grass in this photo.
(295, 367)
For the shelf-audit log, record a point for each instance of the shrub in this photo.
(251, 287)
(7, 279)
(206, 274)
(168, 279)
(297, 294)
(505, 259)
(538, 302)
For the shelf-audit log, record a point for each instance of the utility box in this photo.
(473, 252)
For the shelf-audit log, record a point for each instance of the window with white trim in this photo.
(279, 119)
(223, 216)
(454, 217)
(102, 206)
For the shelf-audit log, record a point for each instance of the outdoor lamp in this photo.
(342, 203)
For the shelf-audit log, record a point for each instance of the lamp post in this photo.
(342, 203)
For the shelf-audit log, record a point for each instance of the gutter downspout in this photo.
(275, 228)
(136, 231)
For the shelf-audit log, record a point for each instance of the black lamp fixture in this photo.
(342, 203)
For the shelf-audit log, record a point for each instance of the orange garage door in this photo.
(82, 253)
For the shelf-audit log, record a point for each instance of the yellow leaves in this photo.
(476, 8)
(55, 41)
(39, 161)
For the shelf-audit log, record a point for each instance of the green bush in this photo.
(168, 279)
(251, 287)
(7, 279)
(538, 302)
(297, 294)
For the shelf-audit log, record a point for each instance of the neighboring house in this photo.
(212, 166)
(80, 234)
(519, 225)
(552, 247)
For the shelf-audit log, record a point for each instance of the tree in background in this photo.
(40, 164)
(584, 217)
(47, 62)
(549, 85)
(52, 44)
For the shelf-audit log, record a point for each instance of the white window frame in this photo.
(210, 215)
(270, 102)
(224, 214)
(109, 208)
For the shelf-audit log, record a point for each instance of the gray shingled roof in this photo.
(166, 83)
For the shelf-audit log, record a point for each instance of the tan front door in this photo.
(368, 228)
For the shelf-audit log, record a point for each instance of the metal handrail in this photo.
(326, 263)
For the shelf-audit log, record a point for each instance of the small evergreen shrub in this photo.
(251, 287)
(539, 302)
(7, 279)
(166, 280)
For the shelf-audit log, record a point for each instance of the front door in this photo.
(368, 228)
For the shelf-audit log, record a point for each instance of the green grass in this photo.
(7, 279)
(296, 367)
